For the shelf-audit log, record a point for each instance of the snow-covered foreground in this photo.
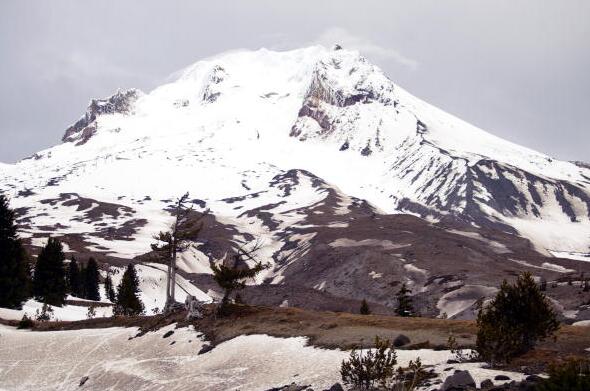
(65, 313)
(57, 360)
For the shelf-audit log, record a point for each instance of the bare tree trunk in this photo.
(173, 276)
(173, 245)
(168, 276)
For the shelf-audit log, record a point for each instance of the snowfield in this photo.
(114, 360)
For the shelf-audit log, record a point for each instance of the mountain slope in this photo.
(302, 149)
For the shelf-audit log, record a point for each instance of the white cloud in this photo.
(337, 35)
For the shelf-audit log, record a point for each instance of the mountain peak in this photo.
(121, 102)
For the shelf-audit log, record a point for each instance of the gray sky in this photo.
(519, 69)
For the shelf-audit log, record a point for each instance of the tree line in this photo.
(52, 278)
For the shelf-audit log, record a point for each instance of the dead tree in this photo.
(185, 230)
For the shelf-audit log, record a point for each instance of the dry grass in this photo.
(334, 330)
(338, 330)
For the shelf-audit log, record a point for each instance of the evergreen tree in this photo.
(109, 289)
(128, 302)
(74, 279)
(365, 308)
(404, 302)
(513, 322)
(14, 269)
(232, 275)
(82, 280)
(91, 278)
(49, 282)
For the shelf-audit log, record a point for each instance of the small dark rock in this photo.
(501, 377)
(401, 340)
(487, 383)
(206, 348)
(290, 387)
(533, 379)
(168, 333)
(458, 381)
(335, 387)
(83, 381)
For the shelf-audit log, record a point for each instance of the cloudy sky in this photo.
(515, 68)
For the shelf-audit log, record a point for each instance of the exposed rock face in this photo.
(211, 91)
(121, 103)
(366, 113)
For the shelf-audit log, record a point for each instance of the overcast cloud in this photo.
(519, 69)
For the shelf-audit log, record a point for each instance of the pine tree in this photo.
(82, 280)
(513, 322)
(49, 282)
(232, 275)
(74, 279)
(128, 302)
(404, 302)
(14, 269)
(109, 289)
(365, 308)
(91, 278)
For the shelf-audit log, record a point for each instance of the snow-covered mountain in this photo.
(288, 147)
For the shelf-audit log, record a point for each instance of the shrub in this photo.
(25, 322)
(91, 314)
(45, 315)
(412, 377)
(461, 355)
(514, 321)
(375, 368)
(572, 376)
(364, 310)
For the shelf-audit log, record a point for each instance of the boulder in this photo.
(460, 380)
(290, 387)
(83, 380)
(501, 377)
(335, 387)
(205, 348)
(487, 383)
(401, 340)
